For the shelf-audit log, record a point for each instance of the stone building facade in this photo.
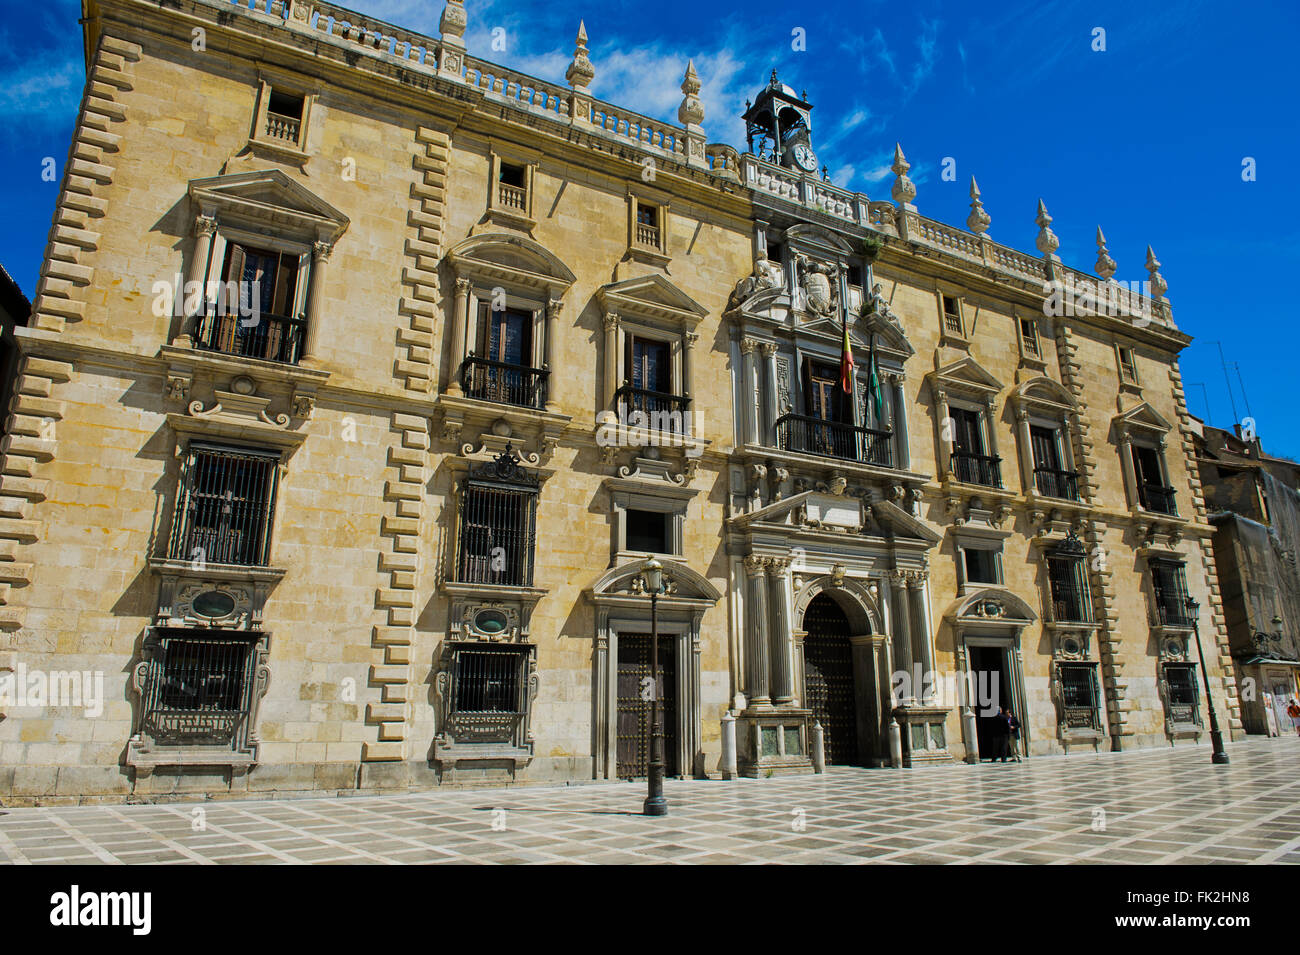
(363, 376)
(1254, 503)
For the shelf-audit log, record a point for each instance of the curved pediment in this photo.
(1142, 417)
(264, 196)
(510, 258)
(808, 234)
(622, 581)
(1044, 391)
(889, 336)
(653, 296)
(990, 606)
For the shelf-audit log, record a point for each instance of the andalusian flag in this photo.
(876, 393)
(846, 360)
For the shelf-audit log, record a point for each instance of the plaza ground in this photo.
(1150, 806)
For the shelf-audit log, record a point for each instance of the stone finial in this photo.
(1158, 284)
(1105, 266)
(978, 220)
(452, 24)
(580, 72)
(691, 112)
(1047, 242)
(904, 190)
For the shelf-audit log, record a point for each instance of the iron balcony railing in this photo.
(971, 468)
(834, 439)
(269, 337)
(503, 382)
(197, 689)
(1053, 482)
(656, 410)
(1170, 611)
(1157, 498)
(224, 508)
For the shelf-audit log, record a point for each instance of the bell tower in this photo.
(780, 121)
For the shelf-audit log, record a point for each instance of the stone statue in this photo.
(766, 275)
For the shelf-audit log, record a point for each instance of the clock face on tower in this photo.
(804, 157)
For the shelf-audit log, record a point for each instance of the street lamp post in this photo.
(655, 803)
(1220, 755)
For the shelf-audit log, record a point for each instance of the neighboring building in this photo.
(1254, 505)
(15, 312)
(342, 469)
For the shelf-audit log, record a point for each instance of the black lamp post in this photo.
(1216, 738)
(655, 804)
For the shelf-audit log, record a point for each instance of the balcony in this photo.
(503, 383)
(1053, 482)
(1157, 498)
(284, 128)
(275, 338)
(656, 410)
(971, 468)
(647, 235)
(512, 197)
(1171, 612)
(834, 439)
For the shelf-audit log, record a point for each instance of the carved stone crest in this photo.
(820, 286)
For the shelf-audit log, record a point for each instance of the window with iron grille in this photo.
(225, 506)
(1079, 695)
(1069, 589)
(498, 518)
(198, 688)
(488, 699)
(1169, 587)
(1184, 695)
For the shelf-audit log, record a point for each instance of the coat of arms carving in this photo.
(821, 287)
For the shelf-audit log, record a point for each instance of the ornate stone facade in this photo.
(283, 539)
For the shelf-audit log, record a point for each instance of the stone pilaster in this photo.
(757, 669)
(779, 630)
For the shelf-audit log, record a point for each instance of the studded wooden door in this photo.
(632, 754)
(828, 679)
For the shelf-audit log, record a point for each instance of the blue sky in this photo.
(1146, 139)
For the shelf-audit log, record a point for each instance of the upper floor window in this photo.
(284, 116)
(501, 367)
(1068, 582)
(510, 193)
(1029, 346)
(280, 120)
(971, 462)
(952, 319)
(648, 228)
(1169, 593)
(979, 562)
(1051, 477)
(650, 396)
(1154, 492)
(225, 506)
(260, 311)
(1127, 365)
(498, 521)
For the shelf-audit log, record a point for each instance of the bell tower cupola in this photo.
(778, 127)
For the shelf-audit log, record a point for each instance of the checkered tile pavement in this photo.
(1151, 806)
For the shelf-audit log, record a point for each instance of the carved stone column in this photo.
(946, 439)
(548, 349)
(1126, 464)
(1026, 451)
(459, 316)
(749, 422)
(902, 635)
(778, 577)
(611, 359)
(770, 413)
(920, 628)
(756, 640)
(205, 227)
(320, 256)
(899, 424)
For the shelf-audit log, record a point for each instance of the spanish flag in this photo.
(846, 360)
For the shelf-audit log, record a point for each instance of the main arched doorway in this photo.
(828, 679)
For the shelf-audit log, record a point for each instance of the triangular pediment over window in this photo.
(511, 259)
(652, 296)
(819, 510)
(268, 197)
(1141, 418)
(966, 375)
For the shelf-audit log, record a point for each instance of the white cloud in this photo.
(47, 89)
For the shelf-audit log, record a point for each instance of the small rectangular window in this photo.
(855, 276)
(1079, 696)
(284, 116)
(952, 315)
(489, 680)
(1127, 366)
(512, 175)
(647, 225)
(647, 532)
(981, 566)
(225, 507)
(1029, 337)
(775, 252)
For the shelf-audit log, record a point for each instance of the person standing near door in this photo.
(1001, 735)
(1293, 711)
(1013, 735)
